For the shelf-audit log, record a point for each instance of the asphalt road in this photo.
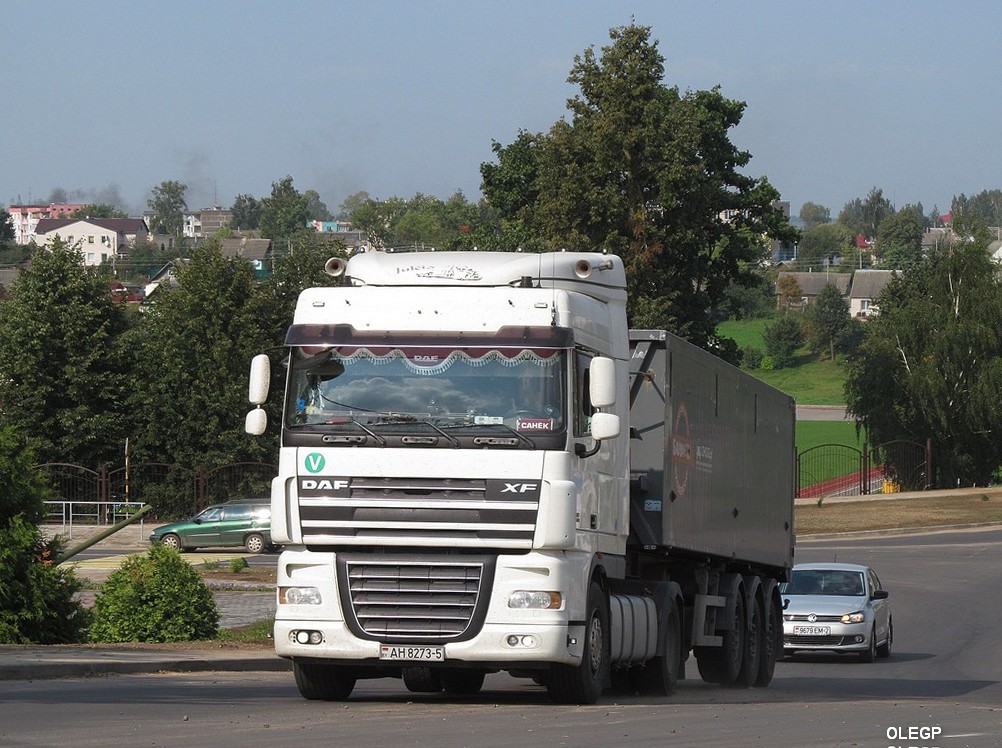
(944, 675)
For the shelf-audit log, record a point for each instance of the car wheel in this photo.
(172, 541)
(871, 652)
(884, 650)
(254, 543)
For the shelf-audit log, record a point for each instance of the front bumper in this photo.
(842, 637)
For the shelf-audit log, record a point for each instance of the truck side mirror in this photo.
(260, 379)
(604, 426)
(256, 421)
(602, 382)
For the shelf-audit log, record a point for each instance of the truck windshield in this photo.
(448, 387)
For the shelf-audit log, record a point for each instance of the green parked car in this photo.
(244, 523)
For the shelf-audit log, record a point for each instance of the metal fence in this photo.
(67, 514)
(96, 495)
(831, 470)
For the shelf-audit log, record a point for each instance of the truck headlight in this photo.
(299, 596)
(856, 617)
(534, 599)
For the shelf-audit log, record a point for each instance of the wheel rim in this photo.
(595, 636)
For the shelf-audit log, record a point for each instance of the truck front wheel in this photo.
(323, 682)
(583, 684)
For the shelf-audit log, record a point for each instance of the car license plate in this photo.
(812, 630)
(411, 653)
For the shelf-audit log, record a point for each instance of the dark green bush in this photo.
(36, 596)
(751, 357)
(155, 597)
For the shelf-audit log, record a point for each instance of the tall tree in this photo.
(899, 238)
(316, 207)
(823, 244)
(192, 359)
(814, 214)
(930, 365)
(647, 172)
(285, 213)
(64, 372)
(246, 212)
(168, 206)
(827, 321)
(6, 227)
(863, 217)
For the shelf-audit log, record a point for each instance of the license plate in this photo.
(411, 653)
(812, 630)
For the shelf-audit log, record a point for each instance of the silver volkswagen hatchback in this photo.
(836, 608)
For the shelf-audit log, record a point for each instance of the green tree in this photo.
(782, 339)
(814, 214)
(6, 227)
(192, 359)
(863, 217)
(246, 212)
(316, 207)
(285, 213)
(899, 239)
(168, 207)
(64, 371)
(98, 210)
(350, 204)
(823, 244)
(930, 365)
(649, 173)
(36, 596)
(826, 321)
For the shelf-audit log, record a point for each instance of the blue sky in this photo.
(111, 98)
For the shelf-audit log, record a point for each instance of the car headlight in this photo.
(299, 596)
(855, 617)
(534, 599)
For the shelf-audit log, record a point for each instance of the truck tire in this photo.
(772, 642)
(723, 664)
(751, 657)
(584, 683)
(323, 682)
(660, 676)
(421, 680)
(462, 681)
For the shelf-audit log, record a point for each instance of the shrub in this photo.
(782, 339)
(751, 357)
(155, 597)
(36, 596)
(238, 564)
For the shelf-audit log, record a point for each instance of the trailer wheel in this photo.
(421, 680)
(462, 681)
(751, 656)
(772, 642)
(583, 684)
(723, 664)
(660, 676)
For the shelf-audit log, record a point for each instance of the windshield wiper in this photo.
(347, 439)
(396, 418)
(485, 441)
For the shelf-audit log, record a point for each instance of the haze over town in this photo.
(104, 101)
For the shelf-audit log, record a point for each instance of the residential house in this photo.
(207, 222)
(254, 250)
(99, 239)
(811, 284)
(866, 286)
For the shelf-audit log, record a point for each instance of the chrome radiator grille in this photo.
(458, 512)
(414, 600)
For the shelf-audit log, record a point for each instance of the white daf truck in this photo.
(482, 469)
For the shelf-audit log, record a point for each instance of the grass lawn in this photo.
(814, 433)
(810, 382)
